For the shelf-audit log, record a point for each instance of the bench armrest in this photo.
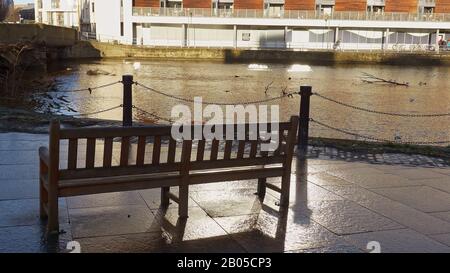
(44, 155)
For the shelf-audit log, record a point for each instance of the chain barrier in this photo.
(290, 95)
(90, 89)
(217, 103)
(380, 112)
(152, 114)
(378, 139)
(97, 112)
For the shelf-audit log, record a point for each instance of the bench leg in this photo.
(184, 201)
(165, 197)
(262, 188)
(285, 188)
(53, 223)
(43, 200)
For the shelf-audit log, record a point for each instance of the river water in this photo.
(428, 92)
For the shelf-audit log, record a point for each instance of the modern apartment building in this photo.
(57, 12)
(292, 24)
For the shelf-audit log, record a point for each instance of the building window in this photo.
(428, 10)
(55, 4)
(325, 9)
(274, 10)
(93, 7)
(376, 9)
(59, 19)
(121, 29)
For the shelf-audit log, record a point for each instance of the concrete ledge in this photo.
(273, 56)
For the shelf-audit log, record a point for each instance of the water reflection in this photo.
(300, 68)
(258, 67)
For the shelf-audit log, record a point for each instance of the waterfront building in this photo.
(63, 13)
(289, 24)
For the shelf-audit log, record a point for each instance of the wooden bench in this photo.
(136, 169)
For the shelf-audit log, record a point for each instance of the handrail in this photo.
(291, 14)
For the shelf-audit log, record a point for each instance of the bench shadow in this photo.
(246, 240)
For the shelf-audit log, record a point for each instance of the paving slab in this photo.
(443, 170)
(343, 167)
(19, 172)
(442, 184)
(105, 200)
(18, 158)
(149, 242)
(19, 189)
(420, 173)
(442, 238)
(423, 198)
(372, 178)
(346, 217)
(21, 145)
(31, 239)
(198, 226)
(25, 212)
(398, 212)
(155, 242)
(339, 247)
(303, 192)
(152, 197)
(104, 221)
(323, 179)
(399, 241)
(23, 136)
(444, 215)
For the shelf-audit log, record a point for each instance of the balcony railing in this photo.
(427, 3)
(376, 2)
(292, 14)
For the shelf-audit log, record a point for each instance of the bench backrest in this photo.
(115, 151)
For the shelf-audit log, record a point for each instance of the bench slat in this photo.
(156, 150)
(90, 153)
(227, 150)
(155, 130)
(118, 171)
(102, 132)
(273, 187)
(140, 154)
(236, 163)
(124, 151)
(214, 149)
(213, 177)
(241, 149)
(201, 150)
(167, 167)
(127, 185)
(253, 148)
(172, 150)
(107, 152)
(73, 154)
(281, 138)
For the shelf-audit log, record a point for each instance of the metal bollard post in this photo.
(303, 128)
(127, 119)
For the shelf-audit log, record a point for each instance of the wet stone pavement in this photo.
(339, 203)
